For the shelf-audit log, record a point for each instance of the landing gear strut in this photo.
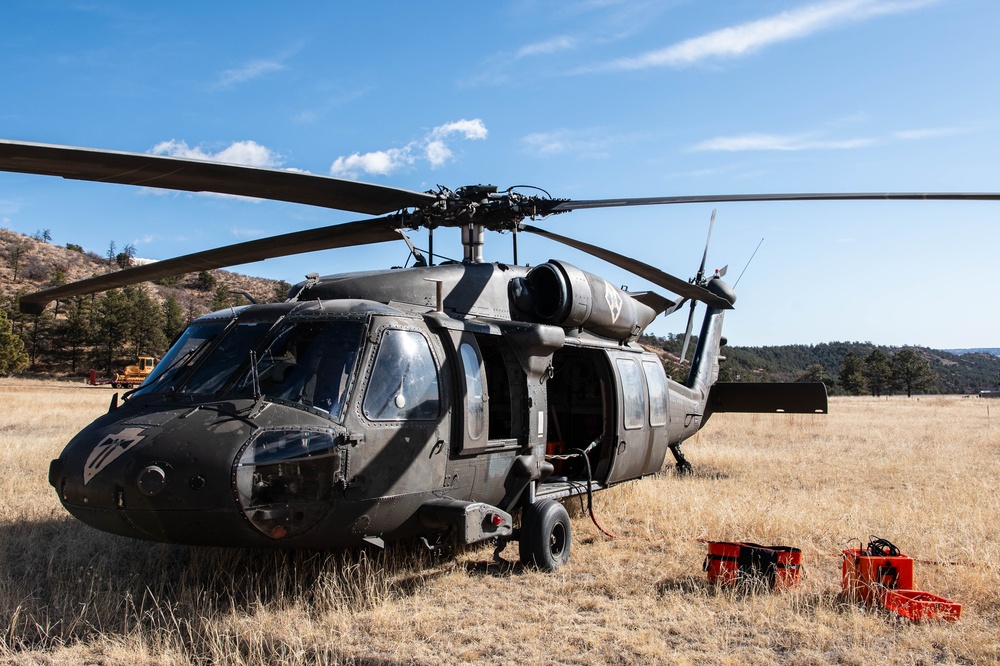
(683, 466)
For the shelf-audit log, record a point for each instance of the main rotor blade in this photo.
(174, 173)
(704, 255)
(645, 271)
(377, 230)
(733, 198)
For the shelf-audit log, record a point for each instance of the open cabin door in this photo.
(491, 394)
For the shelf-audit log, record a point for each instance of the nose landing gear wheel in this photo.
(545, 536)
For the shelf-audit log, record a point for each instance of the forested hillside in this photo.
(951, 373)
(108, 330)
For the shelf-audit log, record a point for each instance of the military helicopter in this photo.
(464, 397)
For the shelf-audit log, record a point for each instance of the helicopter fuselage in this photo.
(375, 406)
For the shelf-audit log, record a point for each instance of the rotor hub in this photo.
(481, 205)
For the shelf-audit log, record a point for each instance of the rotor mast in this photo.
(473, 239)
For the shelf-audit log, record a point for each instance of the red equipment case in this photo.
(917, 605)
(881, 575)
(731, 563)
(865, 576)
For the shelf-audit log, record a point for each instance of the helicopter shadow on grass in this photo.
(64, 581)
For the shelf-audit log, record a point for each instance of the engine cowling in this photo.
(560, 294)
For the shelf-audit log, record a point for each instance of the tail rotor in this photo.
(699, 280)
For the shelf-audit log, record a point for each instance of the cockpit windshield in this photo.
(229, 355)
(308, 363)
(179, 357)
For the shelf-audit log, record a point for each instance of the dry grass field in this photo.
(923, 473)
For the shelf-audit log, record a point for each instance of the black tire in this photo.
(545, 535)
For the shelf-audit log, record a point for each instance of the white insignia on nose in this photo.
(108, 450)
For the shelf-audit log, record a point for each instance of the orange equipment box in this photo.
(730, 563)
(918, 605)
(867, 577)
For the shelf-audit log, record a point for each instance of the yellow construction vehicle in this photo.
(133, 375)
(130, 377)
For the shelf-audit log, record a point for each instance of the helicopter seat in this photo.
(276, 373)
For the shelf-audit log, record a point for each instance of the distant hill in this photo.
(42, 264)
(30, 263)
(993, 351)
(965, 373)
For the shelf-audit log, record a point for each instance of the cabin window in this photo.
(404, 380)
(656, 382)
(633, 394)
(475, 400)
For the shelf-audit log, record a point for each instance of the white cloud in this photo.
(780, 143)
(553, 45)
(817, 141)
(380, 162)
(252, 70)
(928, 133)
(433, 148)
(245, 234)
(247, 153)
(750, 37)
(592, 143)
(470, 129)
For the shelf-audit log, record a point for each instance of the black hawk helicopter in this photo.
(379, 405)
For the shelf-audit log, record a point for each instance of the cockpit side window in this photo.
(404, 380)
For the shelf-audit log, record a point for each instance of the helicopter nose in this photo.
(206, 475)
(164, 476)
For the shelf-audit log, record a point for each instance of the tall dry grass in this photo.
(922, 473)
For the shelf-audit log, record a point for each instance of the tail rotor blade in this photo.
(687, 333)
(704, 255)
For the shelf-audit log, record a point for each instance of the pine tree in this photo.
(39, 335)
(17, 252)
(852, 374)
(13, 358)
(912, 372)
(112, 315)
(878, 372)
(144, 330)
(814, 373)
(206, 281)
(280, 292)
(76, 333)
(173, 318)
(222, 299)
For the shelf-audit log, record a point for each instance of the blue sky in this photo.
(586, 99)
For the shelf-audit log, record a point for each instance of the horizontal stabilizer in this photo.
(790, 398)
(654, 300)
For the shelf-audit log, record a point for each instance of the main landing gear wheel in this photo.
(545, 535)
